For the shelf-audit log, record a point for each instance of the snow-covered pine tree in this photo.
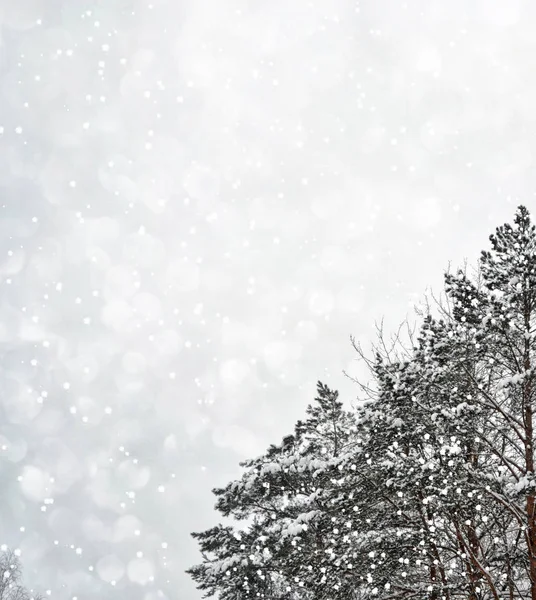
(427, 491)
(281, 497)
(454, 463)
(501, 320)
(388, 524)
(474, 399)
(402, 465)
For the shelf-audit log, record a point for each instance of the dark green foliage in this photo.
(427, 489)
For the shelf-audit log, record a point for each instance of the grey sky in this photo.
(201, 201)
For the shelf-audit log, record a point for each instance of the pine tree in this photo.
(427, 490)
(283, 495)
(501, 320)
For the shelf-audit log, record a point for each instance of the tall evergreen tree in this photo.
(282, 494)
(427, 490)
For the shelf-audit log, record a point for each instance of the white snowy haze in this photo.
(201, 200)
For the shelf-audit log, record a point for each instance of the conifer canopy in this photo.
(427, 489)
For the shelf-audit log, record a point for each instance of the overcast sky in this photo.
(201, 200)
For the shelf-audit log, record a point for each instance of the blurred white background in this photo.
(201, 200)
